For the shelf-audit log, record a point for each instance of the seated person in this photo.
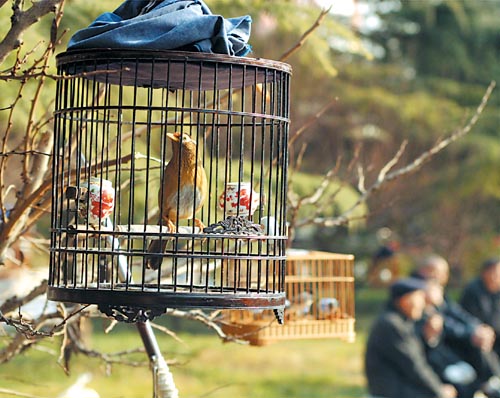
(481, 297)
(443, 360)
(395, 361)
(471, 339)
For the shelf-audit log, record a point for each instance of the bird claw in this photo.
(171, 227)
(199, 224)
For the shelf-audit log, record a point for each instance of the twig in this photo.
(218, 388)
(15, 302)
(200, 316)
(167, 331)
(312, 120)
(306, 34)
(67, 317)
(30, 74)
(5, 139)
(18, 394)
(24, 153)
(424, 157)
(22, 20)
(299, 159)
(320, 190)
(384, 176)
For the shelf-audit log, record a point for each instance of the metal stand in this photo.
(163, 381)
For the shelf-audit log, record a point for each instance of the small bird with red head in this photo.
(183, 192)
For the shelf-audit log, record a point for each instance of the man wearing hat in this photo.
(481, 297)
(395, 361)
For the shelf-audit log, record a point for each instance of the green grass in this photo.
(207, 367)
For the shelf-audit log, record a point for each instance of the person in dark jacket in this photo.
(395, 362)
(459, 325)
(481, 297)
(441, 357)
(470, 338)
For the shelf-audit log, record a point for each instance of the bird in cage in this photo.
(329, 307)
(299, 305)
(183, 192)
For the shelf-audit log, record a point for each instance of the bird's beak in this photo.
(173, 136)
(176, 137)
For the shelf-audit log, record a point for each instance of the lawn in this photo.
(208, 367)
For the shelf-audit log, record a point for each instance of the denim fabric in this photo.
(185, 25)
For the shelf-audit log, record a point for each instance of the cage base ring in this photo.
(155, 303)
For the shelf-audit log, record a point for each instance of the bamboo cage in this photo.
(169, 174)
(319, 288)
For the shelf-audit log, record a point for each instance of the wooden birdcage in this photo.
(169, 173)
(320, 302)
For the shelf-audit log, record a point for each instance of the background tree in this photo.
(447, 50)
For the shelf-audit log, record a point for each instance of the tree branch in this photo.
(21, 21)
(312, 120)
(13, 393)
(439, 146)
(320, 190)
(306, 34)
(385, 176)
(15, 302)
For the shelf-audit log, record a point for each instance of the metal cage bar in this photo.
(179, 151)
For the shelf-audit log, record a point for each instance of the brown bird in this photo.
(184, 200)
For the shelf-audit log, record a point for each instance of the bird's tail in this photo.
(156, 247)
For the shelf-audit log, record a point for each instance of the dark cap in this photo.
(406, 285)
(384, 252)
(416, 274)
(490, 263)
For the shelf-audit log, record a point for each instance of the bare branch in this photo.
(114, 358)
(426, 156)
(24, 153)
(15, 302)
(306, 34)
(361, 179)
(310, 122)
(391, 163)
(385, 177)
(198, 315)
(167, 331)
(22, 20)
(300, 156)
(5, 139)
(320, 190)
(13, 393)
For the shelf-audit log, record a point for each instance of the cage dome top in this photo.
(170, 69)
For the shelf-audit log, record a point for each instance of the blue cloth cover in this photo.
(186, 25)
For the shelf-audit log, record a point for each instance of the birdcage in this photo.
(169, 182)
(319, 304)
